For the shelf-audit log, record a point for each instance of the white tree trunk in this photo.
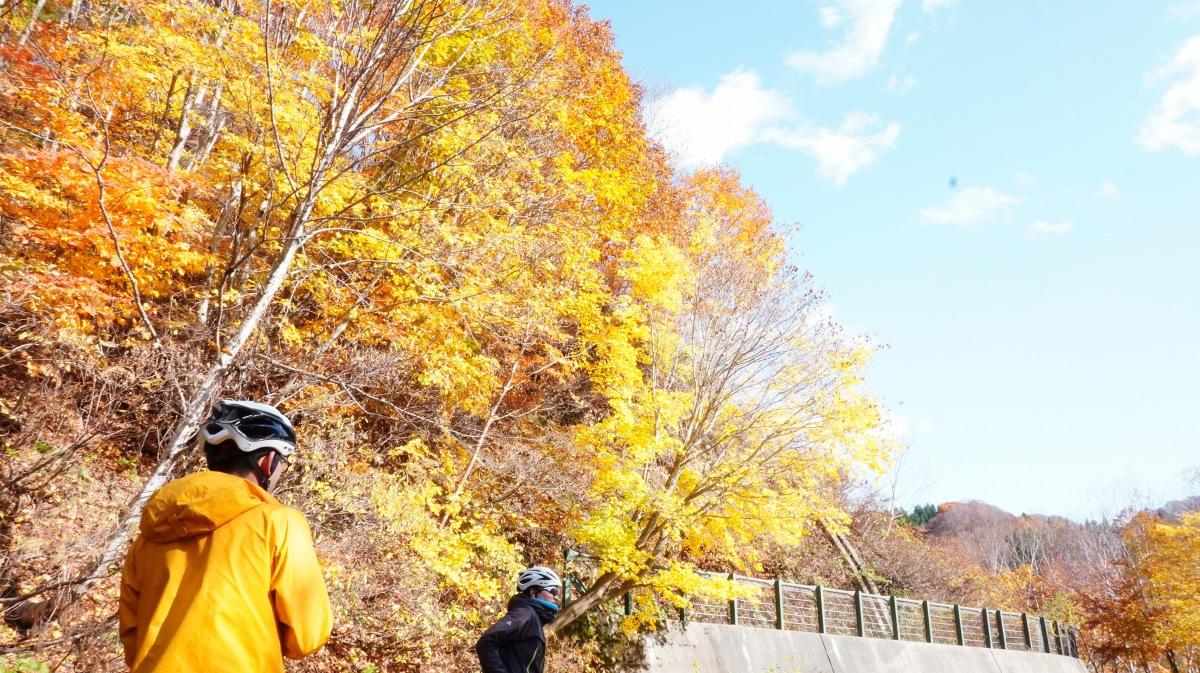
(196, 410)
(33, 19)
(195, 97)
(229, 212)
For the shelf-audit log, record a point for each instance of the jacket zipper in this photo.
(535, 653)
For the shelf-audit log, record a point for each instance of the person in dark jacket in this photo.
(516, 644)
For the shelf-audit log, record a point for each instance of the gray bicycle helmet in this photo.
(538, 576)
(253, 426)
(245, 431)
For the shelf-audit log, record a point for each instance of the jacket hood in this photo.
(544, 614)
(198, 504)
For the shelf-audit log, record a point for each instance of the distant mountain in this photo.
(1177, 508)
(956, 519)
(999, 540)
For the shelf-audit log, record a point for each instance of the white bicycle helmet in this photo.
(253, 426)
(538, 576)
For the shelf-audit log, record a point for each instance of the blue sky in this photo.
(1006, 194)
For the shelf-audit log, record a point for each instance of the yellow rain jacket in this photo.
(221, 578)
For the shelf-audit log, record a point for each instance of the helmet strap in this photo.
(264, 479)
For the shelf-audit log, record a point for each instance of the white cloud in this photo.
(863, 43)
(1107, 192)
(704, 128)
(905, 428)
(931, 6)
(1041, 228)
(1024, 179)
(831, 16)
(901, 86)
(970, 207)
(1175, 122)
(1185, 10)
(911, 39)
(856, 144)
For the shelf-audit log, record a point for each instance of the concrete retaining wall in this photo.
(720, 648)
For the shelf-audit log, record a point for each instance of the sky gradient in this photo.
(1005, 194)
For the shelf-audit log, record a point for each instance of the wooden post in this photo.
(987, 629)
(958, 625)
(928, 622)
(895, 618)
(1058, 637)
(858, 614)
(1028, 635)
(779, 616)
(821, 626)
(628, 603)
(1000, 624)
(733, 608)
(1045, 635)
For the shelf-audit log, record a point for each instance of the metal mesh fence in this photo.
(840, 616)
(943, 624)
(912, 620)
(797, 607)
(1014, 632)
(759, 608)
(715, 612)
(800, 608)
(877, 616)
(973, 625)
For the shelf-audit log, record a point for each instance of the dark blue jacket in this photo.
(516, 644)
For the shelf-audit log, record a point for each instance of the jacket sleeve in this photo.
(508, 629)
(301, 601)
(127, 611)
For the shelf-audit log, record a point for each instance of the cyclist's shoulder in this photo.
(279, 512)
(273, 514)
(523, 613)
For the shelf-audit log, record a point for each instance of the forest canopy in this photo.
(510, 329)
(437, 234)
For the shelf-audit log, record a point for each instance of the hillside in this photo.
(438, 236)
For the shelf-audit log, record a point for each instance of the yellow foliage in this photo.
(1166, 557)
(515, 326)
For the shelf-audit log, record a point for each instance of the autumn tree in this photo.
(738, 403)
(1160, 599)
(336, 139)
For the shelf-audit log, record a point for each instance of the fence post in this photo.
(1071, 640)
(628, 603)
(858, 614)
(1045, 635)
(779, 624)
(895, 618)
(928, 622)
(987, 629)
(1028, 635)
(1000, 624)
(733, 610)
(1058, 637)
(958, 627)
(821, 626)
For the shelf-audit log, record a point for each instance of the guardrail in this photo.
(800, 607)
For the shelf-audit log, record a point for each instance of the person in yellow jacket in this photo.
(222, 577)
